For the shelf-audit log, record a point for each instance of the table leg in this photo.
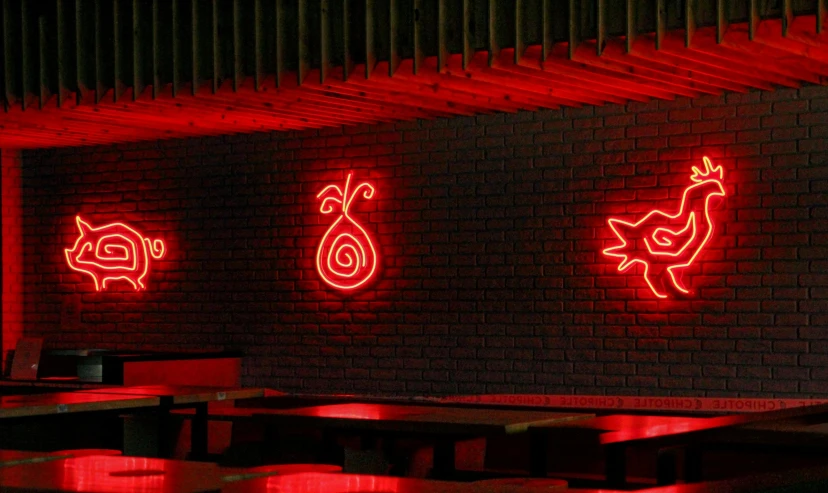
(198, 433)
(616, 465)
(331, 452)
(666, 473)
(443, 463)
(164, 433)
(692, 464)
(538, 453)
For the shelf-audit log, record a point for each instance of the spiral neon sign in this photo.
(666, 244)
(346, 258)
(113, 252)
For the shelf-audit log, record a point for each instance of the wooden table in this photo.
(592, 431)
(445, 425)
(688, 434)
(183, 396)
(19, 406)
(17, 457)
(354, 483)
(101, 474)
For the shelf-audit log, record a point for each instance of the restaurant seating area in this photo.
(273, 441)
(414, 246)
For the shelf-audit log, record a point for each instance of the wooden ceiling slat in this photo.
(352, 101)
(62, 47)
(258, 45)
(734, 54)
(214, 48)
(370, 38)
(573, 13)
(26, 60)
(645, 54)
(419, 35)
(661, 22)
(561, 93)
(282, 39)
(325, 40)
(621, 80)
(601, 26)
(476, 79)
(686, 74)
(733, 68)
(753, 18)
(43, 79)
(303, 43)
(196, 21)
(721, 20)
(674, 83)
(592, 90)
(426, 100)
(631, 31)
(4, 57)
(461, 84)
(787, 16)
(238, 69)
(468, 35)
(431, 87)
(306, 87)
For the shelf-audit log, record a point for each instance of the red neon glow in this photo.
(346, 258)
(134, 474)
(669, 243)
(113, 252)
(341, 483)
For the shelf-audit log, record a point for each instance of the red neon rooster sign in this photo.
(346, 258)
(666, 244)
(113, 252)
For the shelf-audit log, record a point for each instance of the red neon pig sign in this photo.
(113, 252)
(666, 244)
(346, 258)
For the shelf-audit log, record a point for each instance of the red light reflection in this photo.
(98, 473)
(361, 411)
(340, 483)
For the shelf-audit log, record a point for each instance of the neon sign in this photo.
(346, 258)
(113, 252)
(666, 244)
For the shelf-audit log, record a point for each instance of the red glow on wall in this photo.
(113, 252)
(666, 244)
(346, 258)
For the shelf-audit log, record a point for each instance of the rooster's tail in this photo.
(623, 248)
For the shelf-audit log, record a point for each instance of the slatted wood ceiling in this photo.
(84, 72)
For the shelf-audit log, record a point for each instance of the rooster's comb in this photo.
(710, 172)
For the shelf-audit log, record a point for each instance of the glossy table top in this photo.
(183, 394)
(412, 418)
(17, 457)
(668, 430)
(15, 406)
(101, 474)
(593, 428)
(358, 483)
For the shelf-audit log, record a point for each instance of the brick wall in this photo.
(490, 230)
(12, 327)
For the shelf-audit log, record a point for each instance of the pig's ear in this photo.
(82, 226)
